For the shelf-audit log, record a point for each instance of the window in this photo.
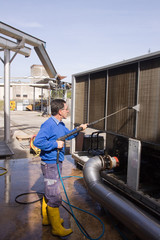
(18, 95)
(25, 95)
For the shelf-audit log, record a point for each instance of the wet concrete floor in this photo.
(24, 221)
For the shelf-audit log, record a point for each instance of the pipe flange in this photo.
(102, 158)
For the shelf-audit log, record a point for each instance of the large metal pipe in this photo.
(139, 222)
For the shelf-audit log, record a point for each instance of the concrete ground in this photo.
(24, 221)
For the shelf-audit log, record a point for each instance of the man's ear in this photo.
(59, 112)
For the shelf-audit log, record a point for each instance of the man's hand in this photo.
(60, 144)
(84, 126)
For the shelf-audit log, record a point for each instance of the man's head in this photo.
(59, 109)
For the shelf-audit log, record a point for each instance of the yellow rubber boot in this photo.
(45, 219)
(57, 228)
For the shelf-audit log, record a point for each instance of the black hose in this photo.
(23, 194)
(39, 199)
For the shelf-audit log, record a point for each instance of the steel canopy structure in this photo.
(8, 44)
(19, 47)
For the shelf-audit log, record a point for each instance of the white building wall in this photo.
(2, 92)
(21, 91)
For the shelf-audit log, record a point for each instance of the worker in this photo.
(46, 140)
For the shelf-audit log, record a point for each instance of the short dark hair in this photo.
(56, 105)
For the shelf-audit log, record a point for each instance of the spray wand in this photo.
(77, 130)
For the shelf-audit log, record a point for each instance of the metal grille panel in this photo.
(122, 93)
(126, 87)
(81, 99)
(97, 98)
(149, 99)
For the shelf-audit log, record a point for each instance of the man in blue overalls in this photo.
(46, 140)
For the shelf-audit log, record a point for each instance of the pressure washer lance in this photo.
(77, 130)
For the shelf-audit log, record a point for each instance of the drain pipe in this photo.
(143, 225)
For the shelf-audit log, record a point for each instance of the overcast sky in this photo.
(85, 34)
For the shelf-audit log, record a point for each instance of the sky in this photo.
(85, 34)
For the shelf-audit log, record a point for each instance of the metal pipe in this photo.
(143, 225)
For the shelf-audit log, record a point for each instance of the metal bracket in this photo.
(134, 154)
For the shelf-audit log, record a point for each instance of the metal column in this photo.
(106, 109)
(89, 80)
(72, 146)
(42, 109)
(7, 95)
(34, 107)
(137, 100)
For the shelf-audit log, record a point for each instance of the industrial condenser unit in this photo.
(132, 135)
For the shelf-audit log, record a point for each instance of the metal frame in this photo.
(19, 35)
(20, 48)
(116, 65)
(8, 44)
